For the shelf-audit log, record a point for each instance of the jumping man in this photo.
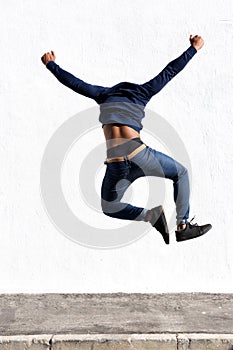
(128, 157)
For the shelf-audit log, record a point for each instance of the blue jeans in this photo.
(148, 162)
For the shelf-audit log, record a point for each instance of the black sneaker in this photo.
(192, 231)
(159, 222)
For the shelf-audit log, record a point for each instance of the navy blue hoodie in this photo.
(125, 102)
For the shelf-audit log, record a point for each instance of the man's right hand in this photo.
(196, 41)
(47, 57)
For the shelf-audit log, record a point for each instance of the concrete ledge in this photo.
(116, 313)
(205, 341)
(192, 321)
(118, 342)
(25, 342)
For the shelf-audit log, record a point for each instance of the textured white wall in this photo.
(104, 42)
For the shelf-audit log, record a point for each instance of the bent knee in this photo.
(112, 209)
(107, 208)
(182, 171)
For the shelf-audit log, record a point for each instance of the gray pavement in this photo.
(116, 321)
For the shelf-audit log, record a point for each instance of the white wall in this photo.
(104, 42)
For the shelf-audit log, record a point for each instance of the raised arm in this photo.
(69, 80)
(153, 86)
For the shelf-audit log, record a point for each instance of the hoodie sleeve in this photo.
(156, 84)
(74, 83)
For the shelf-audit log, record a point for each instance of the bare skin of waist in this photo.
(116, 135)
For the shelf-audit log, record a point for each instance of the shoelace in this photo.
(191, 221)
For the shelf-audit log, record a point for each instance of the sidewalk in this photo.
(116, 321)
